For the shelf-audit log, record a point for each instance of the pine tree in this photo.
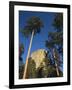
(55, 40)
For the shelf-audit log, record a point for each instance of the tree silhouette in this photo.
(21, 49)
(55, 40)
(33, 26)
(21, 65)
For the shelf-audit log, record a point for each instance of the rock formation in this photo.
(38, 56)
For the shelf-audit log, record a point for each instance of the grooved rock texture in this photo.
(38, 56)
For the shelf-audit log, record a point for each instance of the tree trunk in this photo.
(57, 70)
(25, 70)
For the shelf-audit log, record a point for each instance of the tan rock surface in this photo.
(38, 56)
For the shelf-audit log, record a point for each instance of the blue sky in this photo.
(39, 39)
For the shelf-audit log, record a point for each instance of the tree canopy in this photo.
(33, 23)
(55, 40)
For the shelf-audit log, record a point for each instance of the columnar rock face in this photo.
(38, 56)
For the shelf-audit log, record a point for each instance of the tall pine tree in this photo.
(55, 41)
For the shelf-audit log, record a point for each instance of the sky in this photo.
(39, 39)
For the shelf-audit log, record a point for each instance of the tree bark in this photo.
(26, 64)
(57, 70)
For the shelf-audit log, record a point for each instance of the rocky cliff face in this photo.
(38, 56)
